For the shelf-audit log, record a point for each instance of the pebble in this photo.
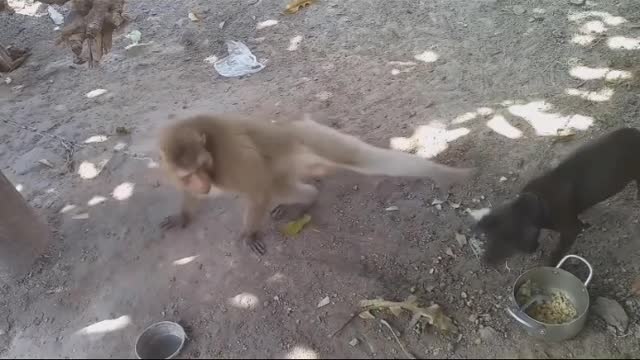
(487, 333)
(451, 348)
(354, 342)
(324, 302)
(449, 252)
(461, 239)
(611, 312)
(577, 2)
(463, 295)
(519, 10)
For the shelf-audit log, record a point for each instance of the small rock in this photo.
(487, 333)
(355, 187)
(519, 10)
(611, 312)
(463, 295)
(324, 302)
(276, 298)
(451, 348)
(503, 179)
(473, 318)
(392, 208)
(577, 2)
(32, 160)
(412, 290)
(430, 288)
(354, 342)
(449, 252)
(477, 341)
(461, 239)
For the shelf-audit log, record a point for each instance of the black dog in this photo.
(593, 173)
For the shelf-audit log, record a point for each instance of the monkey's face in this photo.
(197, 182)
(189, 161)
(197, 177)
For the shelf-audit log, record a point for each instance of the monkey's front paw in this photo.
(254, 243)
(174, 221)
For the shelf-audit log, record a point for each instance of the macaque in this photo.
(4, 6)
(268, 163)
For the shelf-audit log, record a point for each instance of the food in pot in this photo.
(555, 309)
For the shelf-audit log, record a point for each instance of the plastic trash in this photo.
(239, 62)
(134, 36)
(55, 16)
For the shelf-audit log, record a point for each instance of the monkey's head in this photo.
(511, 228)
(186, 157)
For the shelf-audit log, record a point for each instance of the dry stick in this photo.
(408, 354)
(353, 316)
(69, 145)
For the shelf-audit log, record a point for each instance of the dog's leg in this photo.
(568, 234)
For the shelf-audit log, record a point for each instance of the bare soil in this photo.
(496, 83)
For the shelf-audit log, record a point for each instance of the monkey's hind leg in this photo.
(295, 201)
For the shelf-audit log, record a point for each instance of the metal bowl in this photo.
(162, 340)
(561, 280)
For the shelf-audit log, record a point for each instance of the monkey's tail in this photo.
(348, 152)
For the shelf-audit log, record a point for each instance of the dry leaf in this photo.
(293, 228)
(296, 5)
(194, 17)
(461, 239)
(564, 135)
(434, 314)
(324, 302)
(46, 162)
(396, 310)
(367, 315)
(635, 287)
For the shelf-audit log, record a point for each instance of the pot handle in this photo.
(586, 282)
(517, 314)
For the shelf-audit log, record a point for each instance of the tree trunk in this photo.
(23, 237)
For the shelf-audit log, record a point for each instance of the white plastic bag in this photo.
(239, 62)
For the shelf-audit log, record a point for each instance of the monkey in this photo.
(4, 6)
(269, 163)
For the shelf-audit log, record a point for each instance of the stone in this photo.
(612, 313)
(31, 160)
(487, 333)
(519, 10)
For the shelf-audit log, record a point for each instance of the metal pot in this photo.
(555, 279)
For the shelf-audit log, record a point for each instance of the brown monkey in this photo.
(267, 163)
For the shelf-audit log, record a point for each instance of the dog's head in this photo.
(511, 228)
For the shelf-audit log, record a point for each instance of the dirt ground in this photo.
(493, 83)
